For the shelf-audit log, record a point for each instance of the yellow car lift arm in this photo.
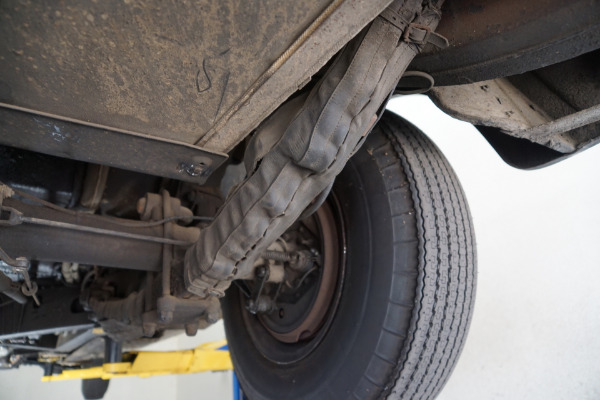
(206, 357)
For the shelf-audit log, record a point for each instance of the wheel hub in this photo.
(303, 308)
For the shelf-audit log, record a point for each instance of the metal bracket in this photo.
(422, 34)
(20, 265)
(84, 141)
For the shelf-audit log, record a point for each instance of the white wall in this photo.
(537, 314)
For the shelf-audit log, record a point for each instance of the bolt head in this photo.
(192, 169)
(261, 271)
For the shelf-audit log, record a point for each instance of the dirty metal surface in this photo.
(199, 72)
(339, 23)
(557, 106)
(498, 38)
(491, 103)
(78, 140)
(498, 103)
(167, 69)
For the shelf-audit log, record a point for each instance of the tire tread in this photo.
(444, 294)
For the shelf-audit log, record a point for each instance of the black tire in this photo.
(94, 389)
(408, 289)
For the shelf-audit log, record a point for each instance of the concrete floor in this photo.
(537, 314)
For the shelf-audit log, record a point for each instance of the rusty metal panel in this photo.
(162, 68)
